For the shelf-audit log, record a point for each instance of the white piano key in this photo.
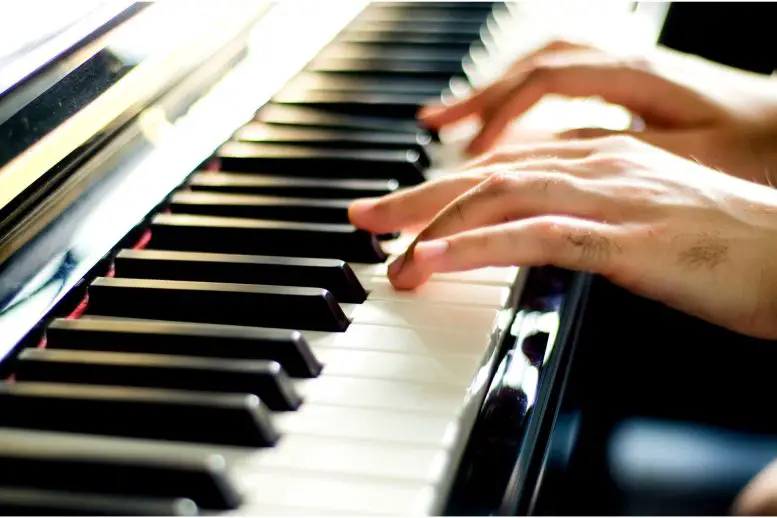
(436, 291)
(409, 314)
(349, 457)
(261, 509)
(434, 399)
(422, 340)
(442, 368)
(299, 490)
(367, 424)
(492, 275)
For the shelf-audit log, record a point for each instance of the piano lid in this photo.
(37, 33)
(102, 70)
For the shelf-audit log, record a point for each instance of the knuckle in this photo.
(543, 73)
(608, 161)
(495, 186)
(459, 211)
(551, 235)
(546, 184)
(579, 248)
(497, 183)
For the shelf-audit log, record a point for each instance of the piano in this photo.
(189, 324)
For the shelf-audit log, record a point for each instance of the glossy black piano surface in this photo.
(170, 273)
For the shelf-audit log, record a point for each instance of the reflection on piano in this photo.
(188, 323)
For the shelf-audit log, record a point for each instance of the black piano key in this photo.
(259, 207)
(265, 379)
(309, 81)
(451, 30)
(242, 183)
(262, 237)
(330, 274)
(200, 478)
(217, 303)
(289, 348)
(389, 106)
(134, 412)
(387, 67)
(332, 138)
(36, 502)
(401, 39)
(403, 166)
(456, 8)
(279, 114)
(387, 14)
(355, 51)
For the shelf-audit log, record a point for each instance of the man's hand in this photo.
(722, 117)
(660, 225)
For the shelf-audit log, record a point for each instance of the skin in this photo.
(657, 224)
(721, 117)
(650, 209)
(660, 225)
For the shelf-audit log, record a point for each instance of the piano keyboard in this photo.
(244, 353)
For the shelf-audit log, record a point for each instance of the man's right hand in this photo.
(722, 117)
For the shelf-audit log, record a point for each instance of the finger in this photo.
(442, 115)
(507, 197)
(687, 143)
(568, 243)
(524, 152)
(436, 117)
(627, 83)
(591, 133)
(410, 207)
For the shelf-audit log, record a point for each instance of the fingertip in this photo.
(359, 211)
(429, 112)
(397, 274)
(438, 115)
(407, 279)
(415, 267)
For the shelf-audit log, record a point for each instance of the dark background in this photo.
(740, 34)
(665, 414)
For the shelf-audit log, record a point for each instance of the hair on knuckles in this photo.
(705, 251)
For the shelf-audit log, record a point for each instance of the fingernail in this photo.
(396, 266)
(430, 250)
